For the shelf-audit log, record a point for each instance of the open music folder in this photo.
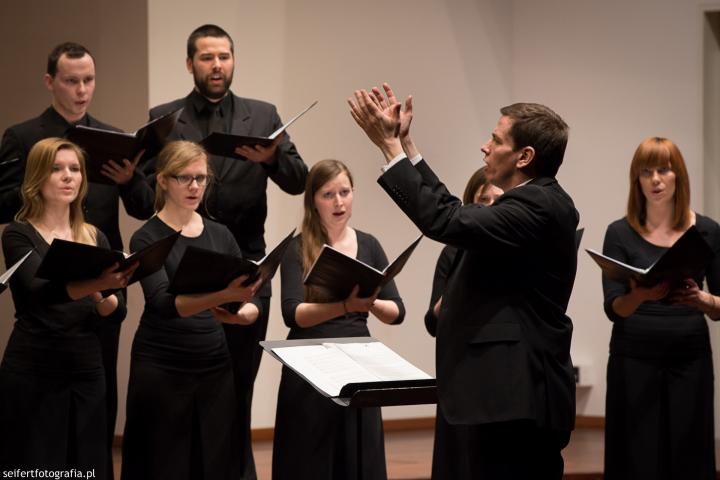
(68, 261)
(224, 144)
(103, 145)
(335, 274)
(686, 258)
(357, 373)
(204, 271)
(338, 368)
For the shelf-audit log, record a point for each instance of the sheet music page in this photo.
(382, 361)
(6, 276)
(111, 132)
(290, 122)
(325, 366)
(603, 260)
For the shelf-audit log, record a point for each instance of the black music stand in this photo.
(368, 394)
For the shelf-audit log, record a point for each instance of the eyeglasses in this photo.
(186, 180)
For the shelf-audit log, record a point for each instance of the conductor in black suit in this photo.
(70, 78)
(238, 197)
(503, 340)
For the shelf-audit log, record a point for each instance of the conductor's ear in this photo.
(527, 155)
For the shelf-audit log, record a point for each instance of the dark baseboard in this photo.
(582, 421)
(262, 434)
(405, 424)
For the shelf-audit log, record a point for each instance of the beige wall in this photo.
(291, 53)
(115, 34)
(617, 71)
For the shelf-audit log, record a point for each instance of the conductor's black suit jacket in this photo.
(503, 339)
(101, 203)
(238, 197)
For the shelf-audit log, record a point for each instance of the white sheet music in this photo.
(381, 361)
(290, 122)
(8, 273)
(331, 366)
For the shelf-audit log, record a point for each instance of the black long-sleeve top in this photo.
(442, 270)
(164, 336)
(353, 324)
(238, 197)
(55, 331)
(657, 328)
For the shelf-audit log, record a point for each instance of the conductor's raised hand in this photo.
(388, 101)
(121, 174)
(359, 304)
(381, 125)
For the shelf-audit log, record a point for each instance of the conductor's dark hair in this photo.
(537, 126)
(69, 49)
(207, 30)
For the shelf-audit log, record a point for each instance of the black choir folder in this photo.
(355, 371)
(71, 261)
(205, 271)
(224, 144)
(334, 274)
(5, 277)
(103, 145)
(687, 258)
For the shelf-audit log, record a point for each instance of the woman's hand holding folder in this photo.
(357, 304)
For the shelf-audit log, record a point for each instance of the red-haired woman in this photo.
(659, 405)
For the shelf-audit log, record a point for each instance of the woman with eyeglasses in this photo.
(315, 439)
(181, 419)
(52, 381)
(659, 403)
